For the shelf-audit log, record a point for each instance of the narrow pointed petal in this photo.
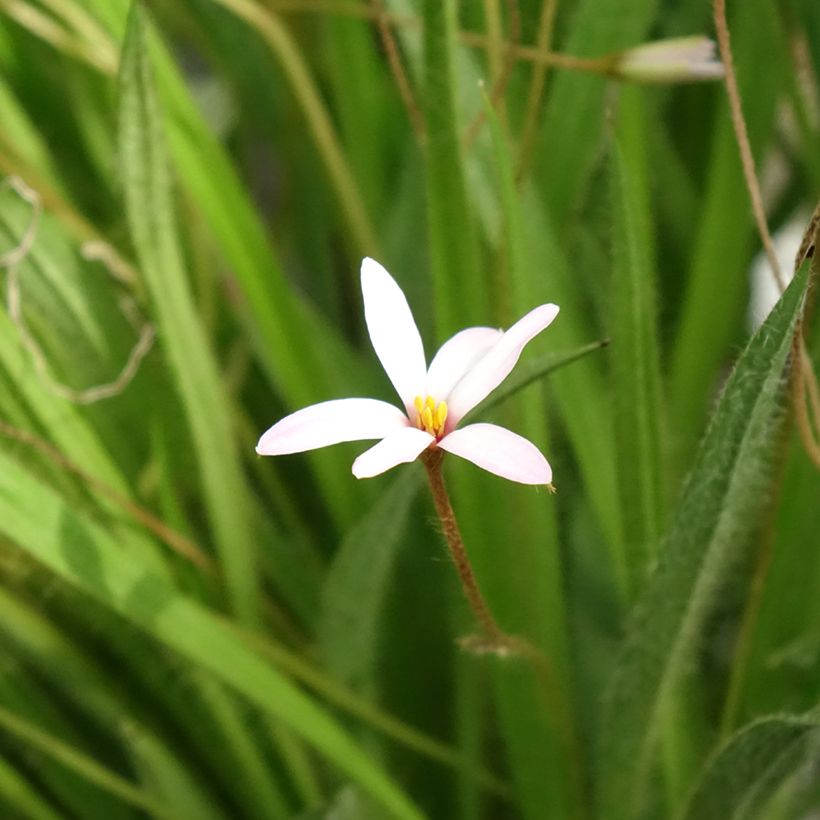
(331, 422)
(399, 447)
(496, 364)
(393, 332)
(499, 451)
(456, 356)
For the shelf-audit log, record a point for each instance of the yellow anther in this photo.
(419, 404)
(441, 417)
(427, 419)
(431, 404)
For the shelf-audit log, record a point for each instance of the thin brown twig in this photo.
(807, 379)
(800, 393)
(499, 86)
(391, 50)
(543, 42)
(11, 260)
(803, 381)
(744, 146)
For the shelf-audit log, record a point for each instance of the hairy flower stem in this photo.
(495, 640)
(494, 636)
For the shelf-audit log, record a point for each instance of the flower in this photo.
(465, 370)
(679, 59)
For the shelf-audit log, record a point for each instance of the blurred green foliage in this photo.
(190, 631)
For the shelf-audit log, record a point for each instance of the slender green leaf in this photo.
(151, 219)
(635, 356)
(77, 762)
(579, 391)
(459, 291)
(750, 766)
(356, 583)
(572, 127)
(716, 514)
(22, 797)
(550, 783)
(533, 370)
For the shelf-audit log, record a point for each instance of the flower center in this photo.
(430, 415)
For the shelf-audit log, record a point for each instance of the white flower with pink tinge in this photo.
(466, 369)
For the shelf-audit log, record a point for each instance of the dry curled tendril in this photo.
(92, 251)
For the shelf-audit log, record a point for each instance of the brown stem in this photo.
(743, 144)
(807, 380)
(500, 82)
(391, 50)
(546, 25)
(495, 640)
(493, 633)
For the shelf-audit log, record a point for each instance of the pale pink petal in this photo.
(330, 423)
(494, 367)
(399, 447)
(456, 356)
(393, 332)
(499, 451)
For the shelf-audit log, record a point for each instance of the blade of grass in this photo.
(635, 357)
(356, 583)
(533, 370)
(83, 555)
(573, 121)
(22, 797)
(151, 220)
(460, 291)
(554, 779)
(579, 391)
(44, 647)
(82, 765)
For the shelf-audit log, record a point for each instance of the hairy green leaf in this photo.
(716, 514)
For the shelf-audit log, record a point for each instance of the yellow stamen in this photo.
(441, 417)
(430, 415)
(427, 419)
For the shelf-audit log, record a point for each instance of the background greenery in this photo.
(189, 631)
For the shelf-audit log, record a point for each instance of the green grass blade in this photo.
(355, 585)
(635, 356)
(533, 370)
(716, 514)
(81, 764)
(22, 797)
(151, 220)
(572, 126)
(579, 391)
(39, 644)
(85, 557)
(552, 782)
(169, 779)
(460, 294)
